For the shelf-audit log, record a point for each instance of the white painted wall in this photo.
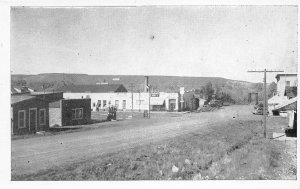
(140, 100)
(281, 84)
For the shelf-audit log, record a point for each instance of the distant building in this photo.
(17, 90)
(103, 96)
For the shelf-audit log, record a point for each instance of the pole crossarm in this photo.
(265, 71)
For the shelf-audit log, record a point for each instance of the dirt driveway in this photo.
(35, 154)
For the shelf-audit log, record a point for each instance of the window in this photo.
(99, 103)
(104, 103)
(287, 83)
(22, 119)
(77, 113)
(124, 104)
(117, 104)
(42, 116)
(94, 104)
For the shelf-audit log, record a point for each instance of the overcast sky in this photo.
(217, 41)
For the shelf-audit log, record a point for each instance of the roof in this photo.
(277, 100)
(13, 91)
(290, 104)
(20, 98)
(55, 104)
(285, 74)
(93, 88)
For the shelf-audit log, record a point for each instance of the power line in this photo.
(265, 96)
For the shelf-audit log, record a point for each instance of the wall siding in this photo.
(66, 111)
(54, 117)
(26, 105)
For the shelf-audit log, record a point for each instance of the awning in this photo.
(157, 101)
(291, 104)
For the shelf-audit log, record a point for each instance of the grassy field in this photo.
(234, 150)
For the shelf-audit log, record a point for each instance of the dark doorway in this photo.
(33, 120)
(196, 103)
(172, 104)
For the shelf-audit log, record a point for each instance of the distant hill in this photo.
(53, 81)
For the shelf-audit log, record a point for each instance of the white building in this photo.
(103, 96)
(284, 80)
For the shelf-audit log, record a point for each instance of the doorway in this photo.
(33, 119)
(172, 104)
(196, 103)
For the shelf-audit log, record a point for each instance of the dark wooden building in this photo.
(67, 112)
(29, 114)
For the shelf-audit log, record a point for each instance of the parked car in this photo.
(226, 103)
(259, 111)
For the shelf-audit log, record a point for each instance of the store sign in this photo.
(154, 94)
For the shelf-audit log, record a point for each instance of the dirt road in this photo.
(35, 154)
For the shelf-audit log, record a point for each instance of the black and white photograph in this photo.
(153, 93)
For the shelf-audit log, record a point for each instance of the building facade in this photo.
(66, 112)
(104, 95)
(287, 84)
(285, 80)
(29, 114)
(128, 101)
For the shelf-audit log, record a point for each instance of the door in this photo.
(33, 120)
(196, 103)
(172, 104)
(124, 105)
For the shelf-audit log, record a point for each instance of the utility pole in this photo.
(265, 97)
(139, 100)
(131, 89)
(149, 101)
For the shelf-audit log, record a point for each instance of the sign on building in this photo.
(154, 94)
(181, 90)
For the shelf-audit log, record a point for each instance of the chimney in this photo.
(146, 84)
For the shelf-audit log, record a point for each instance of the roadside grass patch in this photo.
(230, 151)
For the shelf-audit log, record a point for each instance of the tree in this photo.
(272, 88)
(46, 86)
(20, 82)
(208, 91)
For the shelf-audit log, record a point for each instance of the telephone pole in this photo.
(265, 97)
(131, 89)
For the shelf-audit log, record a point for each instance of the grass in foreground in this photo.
(232, 151)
